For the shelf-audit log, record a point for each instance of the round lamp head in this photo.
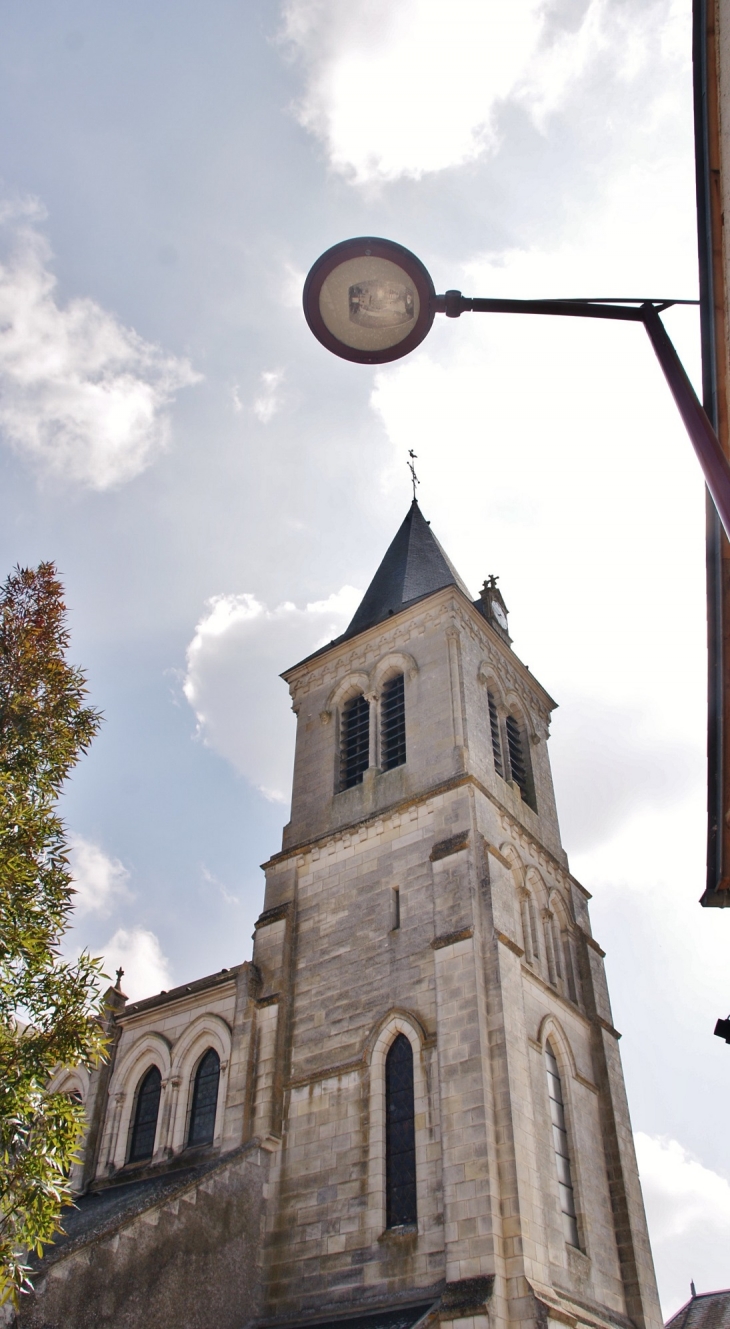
(369, 300)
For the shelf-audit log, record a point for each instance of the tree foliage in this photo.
(49, 1008)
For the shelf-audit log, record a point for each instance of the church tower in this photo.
(436, 1074)
(408, 1110)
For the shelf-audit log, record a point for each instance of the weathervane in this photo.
(412, 468)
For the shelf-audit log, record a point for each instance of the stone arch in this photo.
(387, 1029)
(509, 851)
(488, 676)
(515, 704)
(551, 1028)
(206, 1031)
(357, 681)
(70, 1080)
(150, 1049)
(564, 940)
(395, 662)
(537, 884)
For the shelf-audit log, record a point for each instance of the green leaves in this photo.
(49, 1009)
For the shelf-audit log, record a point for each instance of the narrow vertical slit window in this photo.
(400, 1135)
(496, 736)
(396, 909)
(355, 740)
(533, 929)
(147, 1107)
(393, 724)
(549, 952)
(560, 1145)
(569, 966)
(556, 947)
(205, 1099)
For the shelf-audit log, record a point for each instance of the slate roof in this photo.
(414, 565)
(708, 1310)
(403, 1317)
(97, 1213)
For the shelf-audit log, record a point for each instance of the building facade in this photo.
(408, 1108)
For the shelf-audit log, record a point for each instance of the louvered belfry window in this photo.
(145, 1116)
(355, 740)
(205, 1099)
(400, 1135)
(496, 736)
(560, 1144)
(393, 724)
(518, 766)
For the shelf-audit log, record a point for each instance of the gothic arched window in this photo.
(560, 1145)
(400, 1135)
(519, 761)
(205, 1099)
(393, 724)
(355, 740)
(142, 1143)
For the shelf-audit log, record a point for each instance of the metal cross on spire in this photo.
(412, 468)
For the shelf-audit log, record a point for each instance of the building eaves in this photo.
(179, 993)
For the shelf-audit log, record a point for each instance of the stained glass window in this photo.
(393, 724)
(355, 740)
(145, 1116)
(205, 1099)
(400, 1135)
(560, 1144)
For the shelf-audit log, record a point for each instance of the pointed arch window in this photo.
(205, 1099)
(400, 1135)
(393, 723)
(560, 1145)
(355, 740)
(519, 761)
(495, 734)
(529, 929)
(144, 1129)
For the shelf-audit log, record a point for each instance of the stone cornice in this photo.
(354, 654)
(512, 827)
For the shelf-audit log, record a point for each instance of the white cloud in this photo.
(688, 1210)
(612, 763)
(138, 952)
(267, 403)
(99, 881)
(291, 286)
(572, 445)
(233, 661)
(81, 396)
(404, 87)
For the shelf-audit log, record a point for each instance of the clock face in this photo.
(499, 614)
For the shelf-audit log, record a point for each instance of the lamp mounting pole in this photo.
(712, 459)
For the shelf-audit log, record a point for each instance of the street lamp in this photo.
(372, 301)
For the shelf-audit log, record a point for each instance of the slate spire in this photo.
(414, 566)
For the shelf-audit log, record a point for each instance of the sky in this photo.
(217, 490)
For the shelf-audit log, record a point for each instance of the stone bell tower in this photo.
(437, 1075)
